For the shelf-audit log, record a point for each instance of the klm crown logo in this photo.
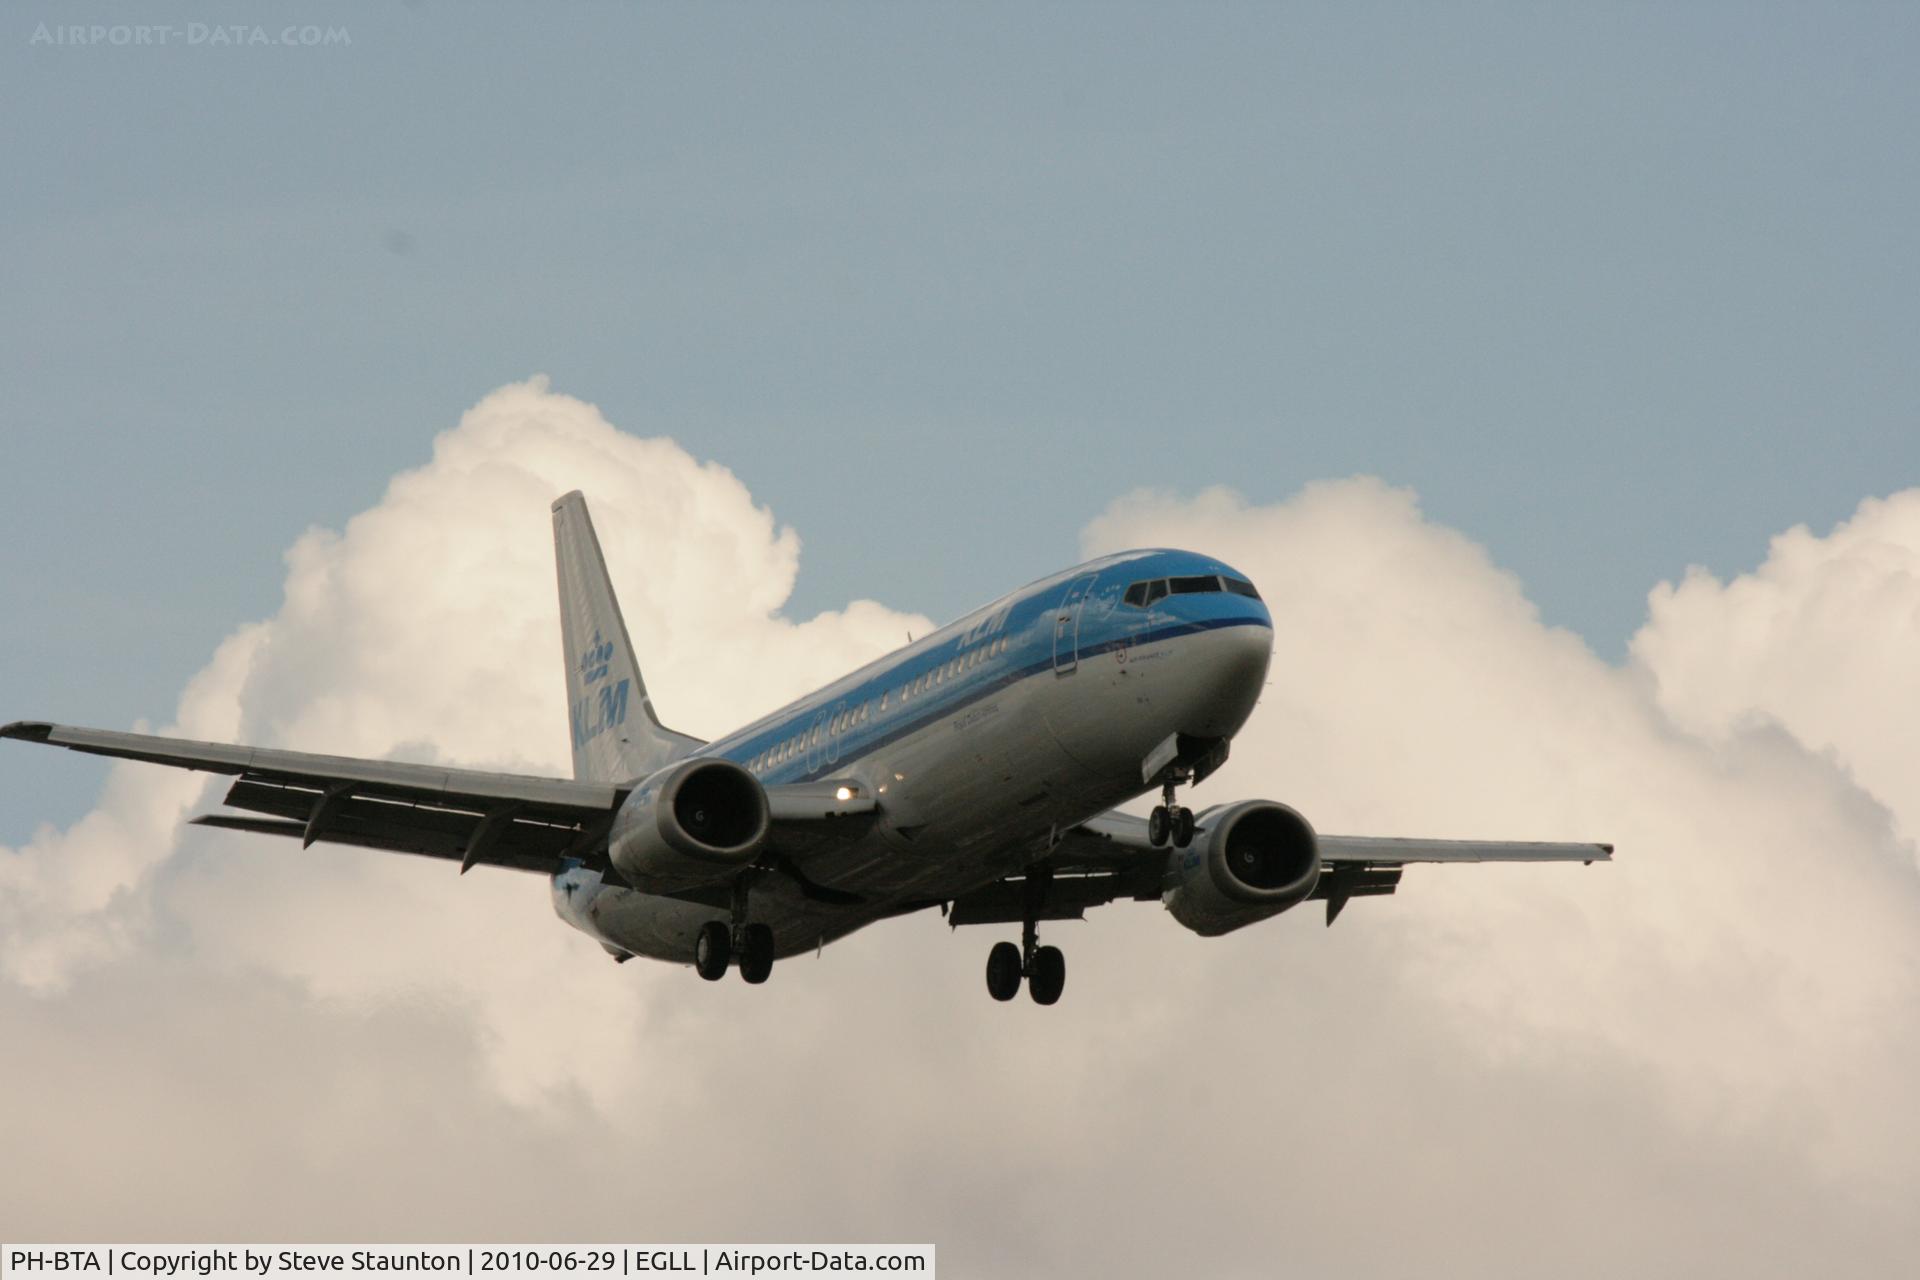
(593, 663)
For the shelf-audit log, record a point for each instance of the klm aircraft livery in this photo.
(603, 708)
(974, 773)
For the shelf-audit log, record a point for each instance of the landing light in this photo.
(843, 793)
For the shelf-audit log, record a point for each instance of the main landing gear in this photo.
(718, 942)
(1043, 968)
(1169, 822)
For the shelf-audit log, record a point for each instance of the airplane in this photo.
(975, 771)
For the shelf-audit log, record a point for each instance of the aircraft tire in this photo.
(712, 949)
(756, 954)
(1182, 828)
(1003, 971)
(1159, 826)
(1049, 976)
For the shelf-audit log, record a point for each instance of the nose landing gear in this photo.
(1168, 821)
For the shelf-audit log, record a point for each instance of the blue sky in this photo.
(1616, 292)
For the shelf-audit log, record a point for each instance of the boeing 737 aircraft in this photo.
(975, 771)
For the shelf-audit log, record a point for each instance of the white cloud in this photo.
(74, 897)
(1692, 1060)
(427, 628)
(1759, 935)
(1821, 639)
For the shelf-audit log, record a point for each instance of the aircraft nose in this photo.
(1236, 673)
(1249, 650)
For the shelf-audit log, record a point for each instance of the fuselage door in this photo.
(1066, 626)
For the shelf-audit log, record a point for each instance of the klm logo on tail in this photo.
(616, 736)
(593, 663)
(607, 706)
(603, 708)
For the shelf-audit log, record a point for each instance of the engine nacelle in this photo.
(1253, 860)
(689, 824)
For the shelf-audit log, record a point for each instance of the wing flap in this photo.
(391, 840)
(439, 830)
(1052, 897)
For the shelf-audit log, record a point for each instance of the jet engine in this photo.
(692, 823)
(1250, 861)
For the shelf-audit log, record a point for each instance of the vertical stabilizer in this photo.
(615, 735)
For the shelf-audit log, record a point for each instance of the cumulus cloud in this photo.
(1760, 933)
(1692, 1060)
(426, 629)
(1820, 639)
(69, 897)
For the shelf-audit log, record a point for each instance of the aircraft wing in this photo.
(502, 819)
(1109, 857)
(1124, 837)
(522, 821)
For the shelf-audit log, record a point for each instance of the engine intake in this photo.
(689, 824)
(1253, 860)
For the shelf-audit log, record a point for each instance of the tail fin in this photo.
(616, 737)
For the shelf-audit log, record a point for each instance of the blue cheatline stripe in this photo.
(802, 718)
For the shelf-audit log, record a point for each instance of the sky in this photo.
(1551, 373)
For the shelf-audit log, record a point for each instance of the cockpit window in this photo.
(1142, 594)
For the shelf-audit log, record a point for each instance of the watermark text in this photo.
(188, 35)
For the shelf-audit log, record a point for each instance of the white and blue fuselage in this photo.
(980, 744)
(976, 769)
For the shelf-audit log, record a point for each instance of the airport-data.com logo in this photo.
(187, 35)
